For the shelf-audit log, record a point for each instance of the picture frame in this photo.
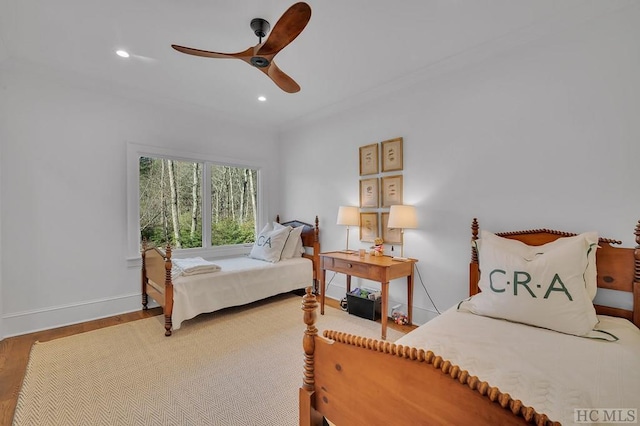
(369, 159)
(391, 190)
(390, 236)
(368, 226)
(369, 191)
(392, 155)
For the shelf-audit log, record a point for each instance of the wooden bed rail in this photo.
(397, 384)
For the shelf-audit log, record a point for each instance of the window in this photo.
(191, 202)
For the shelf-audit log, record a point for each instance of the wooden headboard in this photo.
(618, 267)
(310, 238)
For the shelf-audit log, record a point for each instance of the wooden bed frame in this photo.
(355, 380)
(156, 269)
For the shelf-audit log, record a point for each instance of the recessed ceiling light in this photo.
(122, 53)
(262, 98)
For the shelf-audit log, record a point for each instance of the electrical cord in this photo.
(425, 289)
(343, 301)
(326, 287)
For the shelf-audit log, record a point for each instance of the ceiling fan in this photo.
(288, 27)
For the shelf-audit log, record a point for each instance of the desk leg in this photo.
(384, 308)
(410, 297)
(348, 283)
(323, 276)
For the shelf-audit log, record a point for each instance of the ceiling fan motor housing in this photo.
(260, 27)
(259, 61)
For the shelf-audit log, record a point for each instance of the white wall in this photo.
(545, 136)
(63, 181)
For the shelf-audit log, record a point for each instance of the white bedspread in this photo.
(549, 371)
(241, 280)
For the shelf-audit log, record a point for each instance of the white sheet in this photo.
(549, 371)
(241, 280)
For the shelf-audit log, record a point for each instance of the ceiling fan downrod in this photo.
(260, 28)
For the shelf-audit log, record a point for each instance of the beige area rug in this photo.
(241, 366)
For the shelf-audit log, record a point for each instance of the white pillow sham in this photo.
(269, 244)
(590, 277)
(293, 247)
(542, 286)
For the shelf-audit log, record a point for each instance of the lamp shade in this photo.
(348, 215)
(402, 217)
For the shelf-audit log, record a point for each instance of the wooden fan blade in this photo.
(281, 79)
(207, 54)
(288, 27)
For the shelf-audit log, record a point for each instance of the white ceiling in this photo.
(351, 50)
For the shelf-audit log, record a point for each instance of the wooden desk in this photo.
(374, 268)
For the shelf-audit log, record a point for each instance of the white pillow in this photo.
(292, 243)
(544, 288)
(268, 227)
(269, 244)
(299, 249)
(590, 277)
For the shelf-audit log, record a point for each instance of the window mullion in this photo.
(206, 205)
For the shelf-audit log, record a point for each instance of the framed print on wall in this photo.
(369, 192)
(392, 155)
(369, 159)
(391, 190)
(368, 226)
(390, 236)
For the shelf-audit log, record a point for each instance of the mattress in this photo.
(552, 372)
(241, 280)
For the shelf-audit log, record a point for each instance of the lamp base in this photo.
(400, 259)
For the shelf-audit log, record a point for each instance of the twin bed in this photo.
(236, 281)
(469, 367)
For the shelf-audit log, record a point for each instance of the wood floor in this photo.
(14, 352)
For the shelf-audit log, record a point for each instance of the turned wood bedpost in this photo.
(145, 298)
(636, 279)
(316, 256)
(474, 272)
(168, 292)
(307, 391)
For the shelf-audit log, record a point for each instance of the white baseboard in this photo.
(17, 323)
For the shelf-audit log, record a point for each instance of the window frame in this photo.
(136, 151)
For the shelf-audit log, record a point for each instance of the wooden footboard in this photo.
(355, 380)
(156, 281)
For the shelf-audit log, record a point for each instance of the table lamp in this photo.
(348, 215)
(402, 217)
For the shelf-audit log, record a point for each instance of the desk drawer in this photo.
(351, 268)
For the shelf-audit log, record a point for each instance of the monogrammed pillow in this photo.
(269, 244)
(545, 288)
(590, 276)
